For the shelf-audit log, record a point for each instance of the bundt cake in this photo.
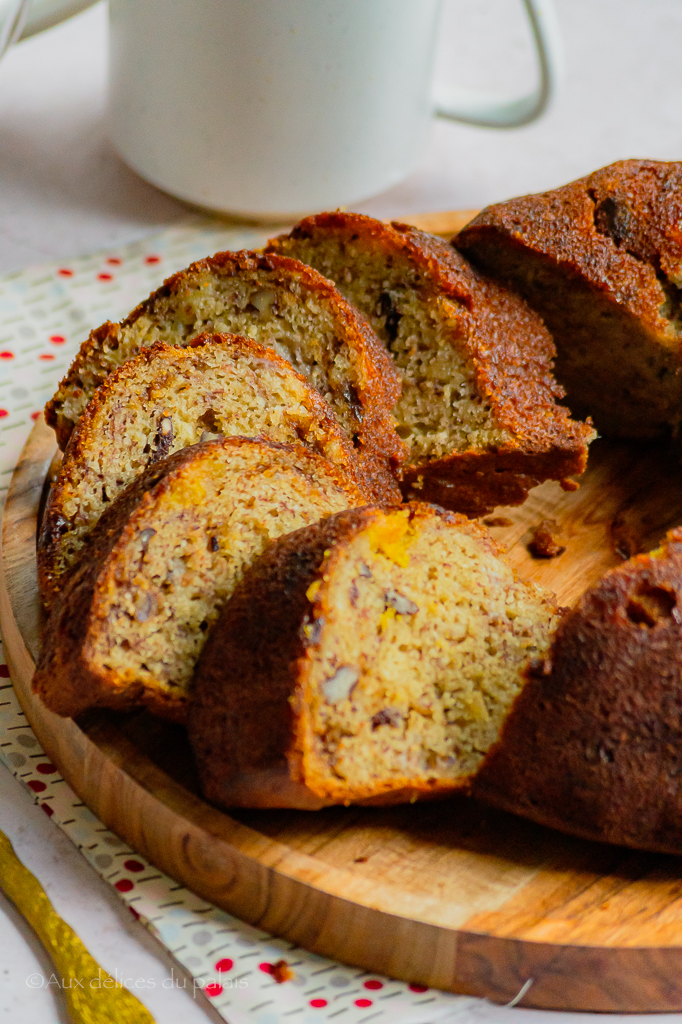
(600, 260)
(369, 658)
(168, 398)
(128, 626)
(277, 302)
(593, 745)
(478, 410)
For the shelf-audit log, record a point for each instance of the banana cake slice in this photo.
(600, 259)
(279, 303)
(478, 411)
(166, 399)
(129, 624)
(370, 658)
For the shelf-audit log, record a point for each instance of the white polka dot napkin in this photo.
(45, 313)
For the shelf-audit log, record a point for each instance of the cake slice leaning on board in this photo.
(165, 399)
(281, 304)
(479, 408)
(370, 658)
(128, 626)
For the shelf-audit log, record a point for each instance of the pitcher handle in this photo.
(20, 19)
(47, 13)
(12, 22)
(492, 111)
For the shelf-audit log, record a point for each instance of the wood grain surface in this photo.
(444, 222)
(452, 895)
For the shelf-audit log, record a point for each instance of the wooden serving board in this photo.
(453, 895)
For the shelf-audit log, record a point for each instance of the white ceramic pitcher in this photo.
(275, 108)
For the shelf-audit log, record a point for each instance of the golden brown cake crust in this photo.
(512, 356)
(251, 722)
(614, 239)
(241, 733)
(65, 677)
(154, 380)
(593, 745)
(370, 391)
(242, 723)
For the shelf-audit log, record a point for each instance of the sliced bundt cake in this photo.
(277, 302)
(478, 410)
(593, 745)
(369, 658)
(169, 398)
(131, 621)
(600, 259)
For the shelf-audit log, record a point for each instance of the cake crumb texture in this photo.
(166, 399)
(370, 658)
(128, 626)
(280, 304)
(479, 410)
(600, 259)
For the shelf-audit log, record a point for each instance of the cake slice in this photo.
(128, 626)
(600, 259)
(593, 745)
(370, 658)
(478, 410)
(166, 399)
(280, 304)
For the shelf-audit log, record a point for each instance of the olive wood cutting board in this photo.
(453, 894)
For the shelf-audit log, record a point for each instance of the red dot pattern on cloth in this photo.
(152, 259)
(3, 413)
(133, 865)
(224, 965)
(105, 277)
(46, 768)
(114, 261)
(4, 671)
(363, 1002)
(6, 355)
(373, 984)
(57, 339)
(46, 356)
(35, 415)
(318, 1003)
(48, 810)
(124, 885)
(37, 786)
(214, 989)
(414, 987)
(267, 968)
(65, 272)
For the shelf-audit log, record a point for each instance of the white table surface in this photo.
(64, 192)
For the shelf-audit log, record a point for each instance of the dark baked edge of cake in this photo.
(592, 746)
(255, 650)
(83, 439)
(377, 387)
(503, 381)
(63, 677)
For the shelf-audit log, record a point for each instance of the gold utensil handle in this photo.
(92, 995)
